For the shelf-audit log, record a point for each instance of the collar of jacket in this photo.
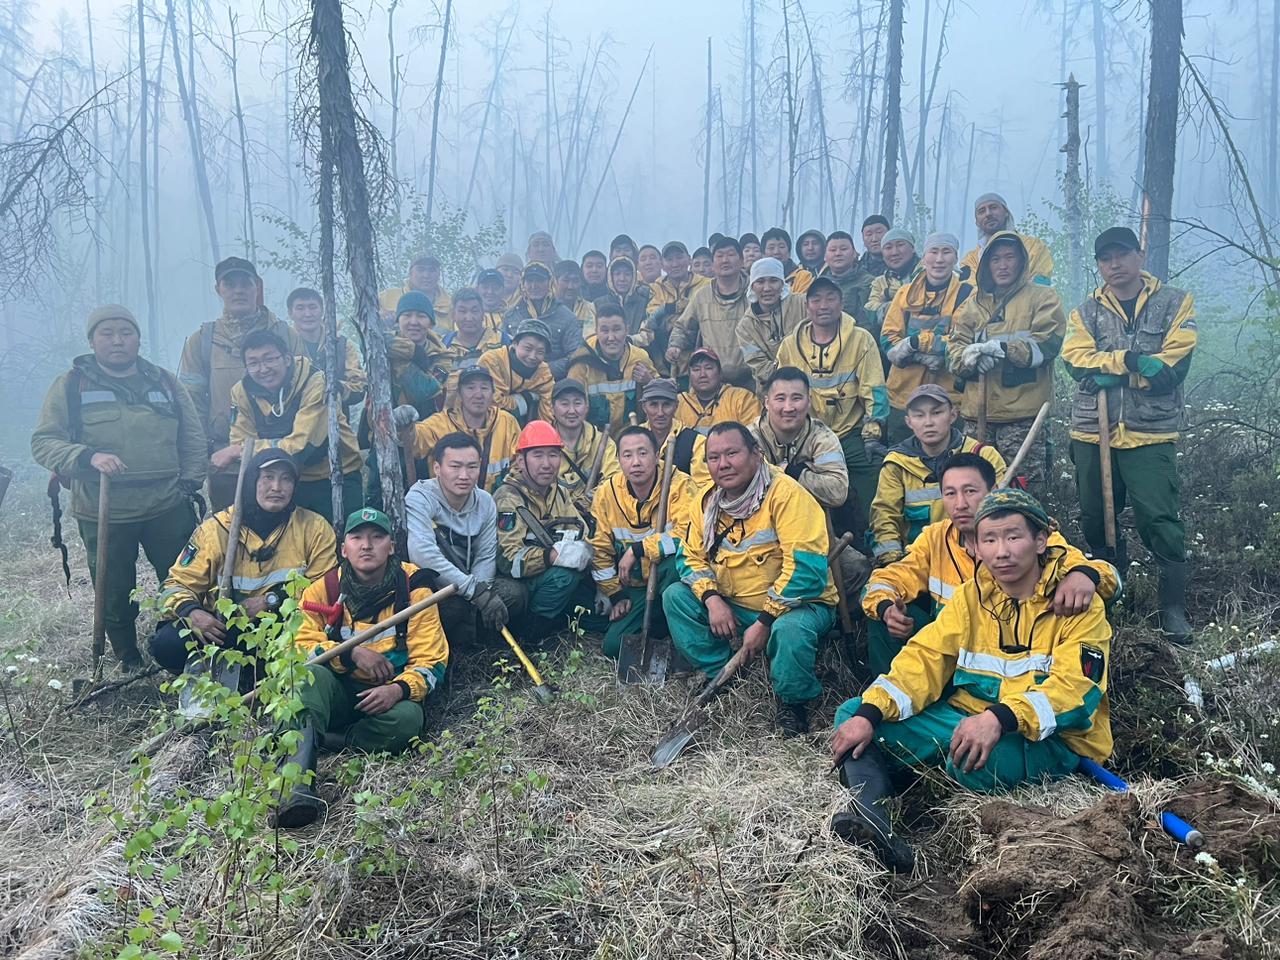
(771, 436)
(909, 453)
(906, 271)
(299, 368)
(460, 422)
(739, 294)
(87, 365)
(918, 291)
(1105, 296)
(234, 329)
(804, 332)
(542, 501)
(1052, 570)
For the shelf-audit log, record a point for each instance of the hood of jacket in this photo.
(984, 263)
(909, 453)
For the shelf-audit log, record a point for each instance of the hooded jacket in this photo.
(1145, 405)
(855, 289)
(497, 439)
(211, 365)
(887, 283)
(158, 434)
(909, 495)
(576, 460)
(521, 552)
(296, 419)
(419, 653)
(470, 535)
(1039, 259)
(711, 320)
(565, 328)
(924, 316)
(418, 372)
(1029, 322)
(813, 266)
(635, 305)
(1041, 673)
(772, 562)
(625, 523)
(814, 459)
(611, 384)
(937, 563)
(761, 332)
(304, 544)
(528, 397)
(846, 380)
(458, 357)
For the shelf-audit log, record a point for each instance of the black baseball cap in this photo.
(233, 265)
(490, 276)
(822, 283)
(1121, 237)
(477, 372)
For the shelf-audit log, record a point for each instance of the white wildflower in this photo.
(1206, 860)
(11, 670)
(55, 684)
(1268, 768)
(1249, 548)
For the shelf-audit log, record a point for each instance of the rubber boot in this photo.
(1173, 602)
(867, 824)
(303, 806)
(793, 719)
(124, 644)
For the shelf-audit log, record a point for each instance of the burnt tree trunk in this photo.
(435, 113)
(1071, 188)
(1162, 132)
(892, 110)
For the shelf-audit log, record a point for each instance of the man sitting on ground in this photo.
(581, 442)
(709, 400)
(453, 534)
(1025, 687)
(370, 699)
(477, 415)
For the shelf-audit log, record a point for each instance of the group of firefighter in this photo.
(796, 393)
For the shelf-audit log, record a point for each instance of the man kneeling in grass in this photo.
(1025, 689)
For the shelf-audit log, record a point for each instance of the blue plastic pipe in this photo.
(1174, 825)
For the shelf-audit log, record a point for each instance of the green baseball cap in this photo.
(367, 515)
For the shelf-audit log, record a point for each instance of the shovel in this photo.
(228, 675)
(541, 689)
(1011, 470)
(100, 581)
(982, 408)
(642, 659)
(1104, 464)
(695, 715)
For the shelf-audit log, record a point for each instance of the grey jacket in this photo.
(461, 547)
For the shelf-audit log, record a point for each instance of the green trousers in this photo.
(161, 538)
(633, 620)
(1146, 477)
(882, 646)
(792, 647)
(330, 705)
(555, 591)
(863, 478)
(925, 740)
(317, 496)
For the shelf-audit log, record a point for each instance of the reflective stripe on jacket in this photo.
(622, 521)
(730, 404)
(846, 379)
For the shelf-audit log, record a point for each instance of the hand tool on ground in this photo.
(541, 689)
(1173, 825)
(227, 674)
(982, 408)
(695, 715)
(149, 747)
(1011, 469)
(642, 658)
(100, 581)
(1104, 465)
(101, 689)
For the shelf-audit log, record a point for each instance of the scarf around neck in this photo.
(367, 600)
(739, 508)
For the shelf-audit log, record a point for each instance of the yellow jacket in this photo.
(845, 376)
(1048, 674)
(521, 553)
(585, 311)
(1039, 260)
(698, 473)
(937, 563)
(712, 320)
(458, 357)
(731, 404)
(417, 650)
(924, 316)
(664, 291)
(798, 280)
(350, 372)
(885, 286)
(302, 427)
(529, 398)
(497, 439)
(1143, 410)
(773, 562)
(611, 385)
(909, 494)
(577, 460)
(760, 334)
(623, 523)
(1029, 322)
(443, 303)
(305, 544)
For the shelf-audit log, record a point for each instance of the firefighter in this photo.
(659, 401)
(582, 441)
(754, 565)
(569, 292)
(898, 248)
(1133, 337)
(478, 416)
(712, 315)
(537, 302)
(668, 297)
(1000, 689)
(611, 367)
(992, 216)
(522, 379)
(471, 337)
(117, 415)
(777, 244)
(773, 311)
(306, 313)
(626, 542)
(709, 400)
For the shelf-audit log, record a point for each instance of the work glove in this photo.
(873, 430)
(930, 361)
(970, 355)
(986, 364)
(573, 554)
(399, 349)
(888, 557)
(1149, 367)
(404, 416)
(1096, 381)
(603, 604)
(992, 348)
(493, 612)
(795, 468)
(902, 353)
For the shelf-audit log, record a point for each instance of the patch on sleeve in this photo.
(506, 521)
(1093, 663)
(188, 554)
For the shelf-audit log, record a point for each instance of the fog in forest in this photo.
(589, 120)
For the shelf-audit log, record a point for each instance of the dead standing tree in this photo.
(1071, 185)
(892, 110)
(328, 45)
(435, 109)
(1162, 132)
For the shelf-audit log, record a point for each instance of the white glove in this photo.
(969, 356)
(603, 605)
(573, 554)
(404, 416)
(930, 361)
(986, 363)
(900, 354)
(993, 348)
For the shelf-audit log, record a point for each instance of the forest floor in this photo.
(523, 830)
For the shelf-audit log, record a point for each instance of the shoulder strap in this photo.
(206, 344)
(75, 421)
(332, 586)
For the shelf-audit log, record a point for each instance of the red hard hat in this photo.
(538, 433)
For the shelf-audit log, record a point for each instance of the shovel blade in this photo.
(190, 703)
(675, 742)
(644, 662)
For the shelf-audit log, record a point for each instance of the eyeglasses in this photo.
(263, 363)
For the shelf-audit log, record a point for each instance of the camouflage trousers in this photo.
(1007, 438)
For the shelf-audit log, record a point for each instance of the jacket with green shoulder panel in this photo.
(521, 551)
(1041, 674)
(813, 458)
(623, 522)
(147, 419)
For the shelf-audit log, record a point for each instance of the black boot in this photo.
(867, 824)
(303, 806)
(793, 719)
(124, 644)
(1173, 602)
